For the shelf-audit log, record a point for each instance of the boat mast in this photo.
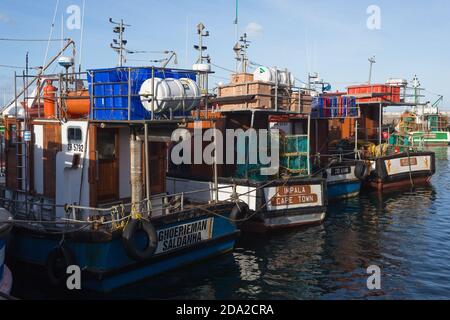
(119, 44)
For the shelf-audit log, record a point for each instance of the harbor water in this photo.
(405, 233)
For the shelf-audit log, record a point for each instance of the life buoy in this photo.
(58, 260)
(239, 213)
(362, 170)
(128, 239)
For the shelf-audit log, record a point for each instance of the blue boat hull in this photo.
(105, 265)
(343, 190)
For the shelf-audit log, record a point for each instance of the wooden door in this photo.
(158, 167)
(52, 145)
(108, 164)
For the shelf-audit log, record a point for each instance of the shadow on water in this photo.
(406, 234)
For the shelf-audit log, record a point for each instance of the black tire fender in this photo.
(239, 213)
(362, 170)
(133, 226)
(58, 260)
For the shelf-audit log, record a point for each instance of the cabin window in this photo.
(74, 135)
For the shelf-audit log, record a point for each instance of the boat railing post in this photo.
(147, 170)
(129, 94)
(60, 100)
(276, 89)
(380, 124)
(308, 162)
(153, 93)
(91, 95)
(356, 139)
(216, 182)
(182, 201)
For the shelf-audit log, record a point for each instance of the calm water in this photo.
(406, 234)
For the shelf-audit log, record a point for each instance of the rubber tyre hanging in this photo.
(361, 170)
(58, 260)
(129, 244)
(239, 213)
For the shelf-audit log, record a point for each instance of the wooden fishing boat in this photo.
(255, 106)
(86, 178)
(393, 161)
(337, 161)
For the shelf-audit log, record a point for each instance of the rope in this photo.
(51, 32)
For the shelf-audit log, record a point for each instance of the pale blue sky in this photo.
(327, 36)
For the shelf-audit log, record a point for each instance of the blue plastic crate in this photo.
(111, 91)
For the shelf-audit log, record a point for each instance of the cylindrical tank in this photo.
(202, 67)
(266, 74)
(49, 99)
(176, 94)
(78, 103)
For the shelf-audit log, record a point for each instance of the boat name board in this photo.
(76, 147)
(403, 165)
(340, 171)
(407, 162)
(184, 235)
(294, 196)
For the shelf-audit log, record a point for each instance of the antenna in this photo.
(200, 47)
(202, 77)
(371, 61)
(240, 49)
(119, 44)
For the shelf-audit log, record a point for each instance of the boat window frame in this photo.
(74, 141)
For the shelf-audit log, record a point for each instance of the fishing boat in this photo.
(86, 176)
(393, 162)
(5, 273)
(427, 130)
(337, 160)
(255, 107)
(423, 123)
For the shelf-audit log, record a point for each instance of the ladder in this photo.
(22, 161)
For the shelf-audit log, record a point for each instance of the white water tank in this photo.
(202, 67)
(266, 74)
(174, 94)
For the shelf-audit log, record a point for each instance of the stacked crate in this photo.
(388, 93)
(294, 154)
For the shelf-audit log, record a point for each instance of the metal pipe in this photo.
(276, 89)
(41, 71)
(15, 91)
(356, 139)
(380, 124)
(147, 168)
(153, 93)
(129, 94)
(216, 178)
(136, 170)
(309, 145)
